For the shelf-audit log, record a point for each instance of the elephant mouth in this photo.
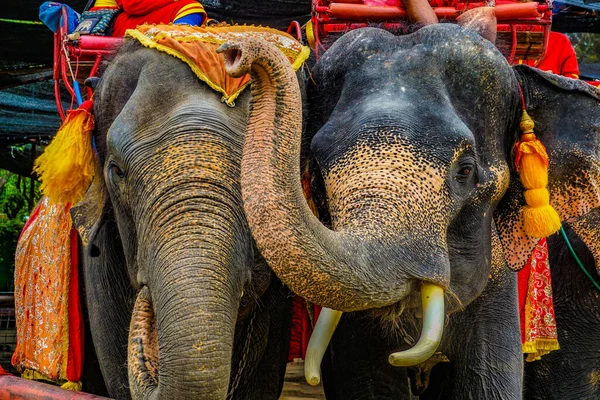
(432, 316)
(394, 314)
(143, 356)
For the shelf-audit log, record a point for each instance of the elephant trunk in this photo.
(332, 268)
(182, 328)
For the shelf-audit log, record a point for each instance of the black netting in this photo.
(8, 339)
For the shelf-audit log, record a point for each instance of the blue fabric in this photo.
(50, 15)
(590, 5)
(98, 22)
(190, 19)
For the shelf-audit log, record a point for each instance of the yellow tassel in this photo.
(539, 218)
(72, 385)
(66, 167)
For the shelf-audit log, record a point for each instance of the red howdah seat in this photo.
(523, 34)
(76, 58)
(523, 28)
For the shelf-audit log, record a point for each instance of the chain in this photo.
(244, 360)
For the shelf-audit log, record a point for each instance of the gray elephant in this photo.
(414, 139)
(180, 303)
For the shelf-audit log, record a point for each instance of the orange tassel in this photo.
(540, 219)
(66, 167)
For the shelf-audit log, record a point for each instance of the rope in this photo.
(19, 21)
(523, 107)
(88, 5)
(585, 271)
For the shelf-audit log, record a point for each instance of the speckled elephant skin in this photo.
(413, 138)
(180, 303)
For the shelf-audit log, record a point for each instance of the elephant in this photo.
(179, 301)
(413, 139)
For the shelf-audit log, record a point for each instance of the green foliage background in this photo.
(587, 47)
(15, 205)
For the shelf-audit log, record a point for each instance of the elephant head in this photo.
(413, 136)
(165, 234)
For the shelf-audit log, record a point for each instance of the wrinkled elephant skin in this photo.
(180, 303)
(413, 138)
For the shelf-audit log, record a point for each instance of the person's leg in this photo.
(420, 12)
(194, 19)
(191, 14)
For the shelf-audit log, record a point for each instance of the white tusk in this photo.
(432, 303)
(319, 340)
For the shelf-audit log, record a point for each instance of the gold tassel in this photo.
(34, 375)
(539, 218)
(538, 348)
(66, 167)
(69, 385)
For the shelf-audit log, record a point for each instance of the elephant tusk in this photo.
(432, 303)
(319, 340)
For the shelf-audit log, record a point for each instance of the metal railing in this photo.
(8, 331)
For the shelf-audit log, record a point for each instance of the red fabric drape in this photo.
(75, 352)
(538, 323)
(301, 330)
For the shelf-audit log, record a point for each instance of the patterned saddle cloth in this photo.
(197, 46)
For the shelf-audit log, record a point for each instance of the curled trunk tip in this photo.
(143, 347)
(239, 55)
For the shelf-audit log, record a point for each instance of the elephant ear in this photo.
(107, 286)
(566, 113)
(87, 214)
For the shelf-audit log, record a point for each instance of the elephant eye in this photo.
(115, 170)
(465, 172)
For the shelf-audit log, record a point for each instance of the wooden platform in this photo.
(295, 386)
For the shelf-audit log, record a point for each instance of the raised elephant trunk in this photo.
(331, 268)
(182, 328)
(326, 267)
